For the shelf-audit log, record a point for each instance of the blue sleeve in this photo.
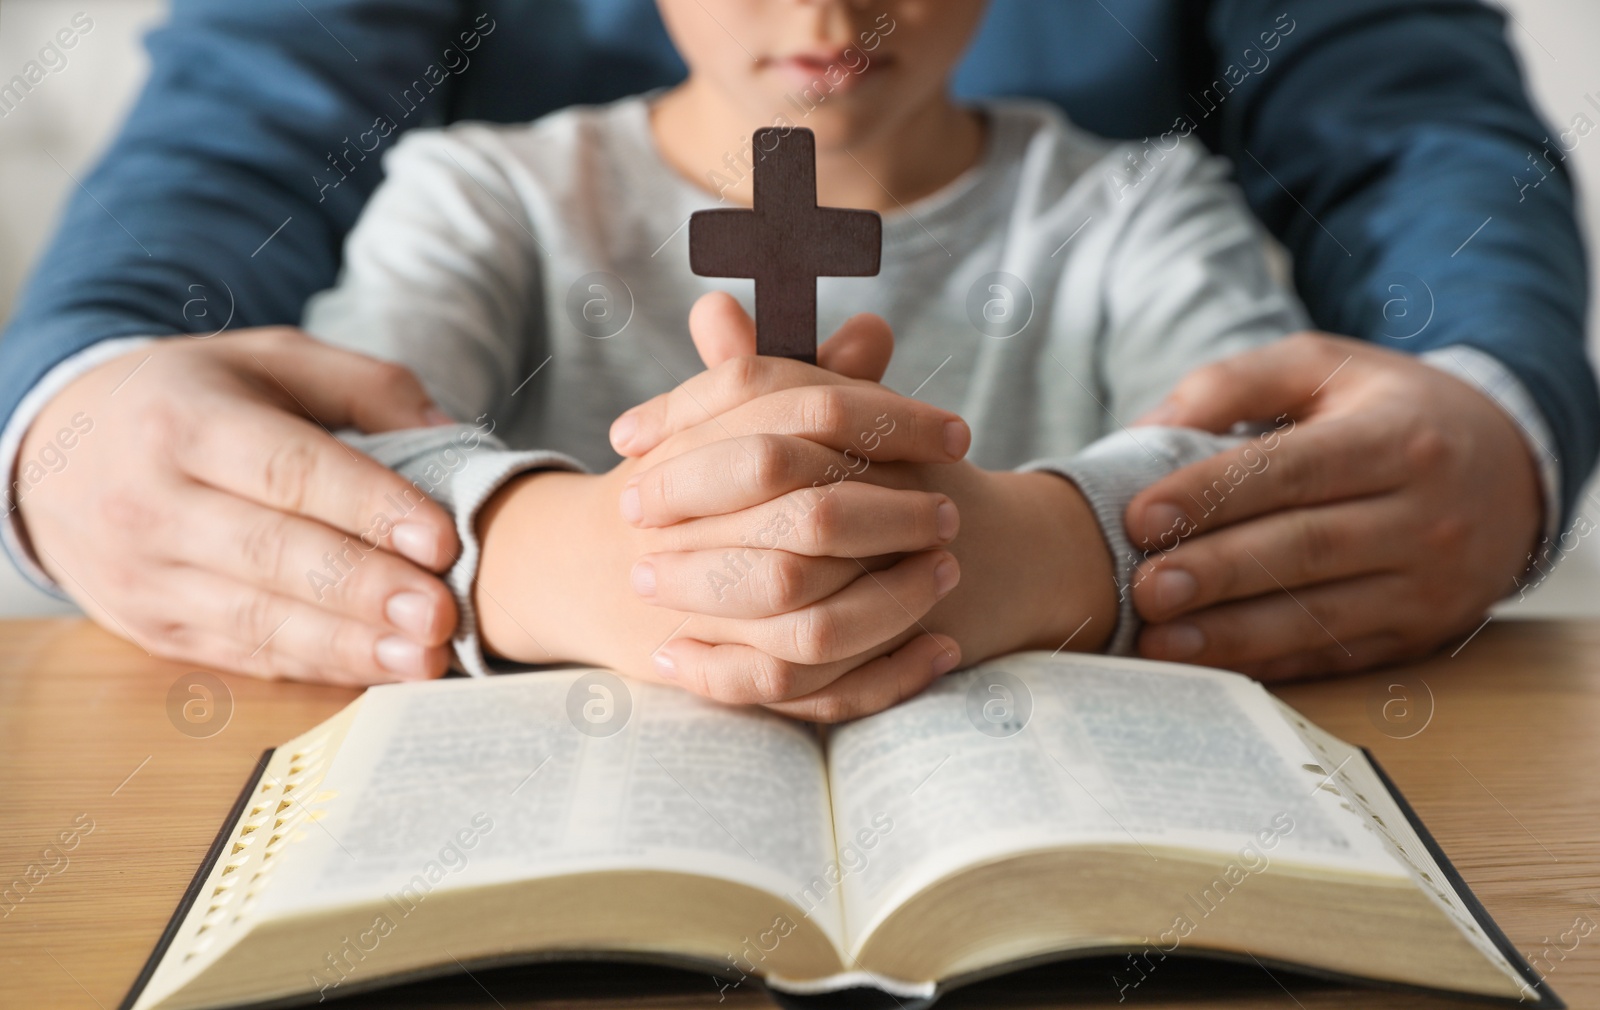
(1388, 143)
(237, 174)
(1392, 147)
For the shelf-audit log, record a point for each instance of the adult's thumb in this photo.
(1256, 385)
(339, 388)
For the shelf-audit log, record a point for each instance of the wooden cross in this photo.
(785, 242)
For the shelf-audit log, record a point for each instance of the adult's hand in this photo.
(207, 514)
(1398, 507)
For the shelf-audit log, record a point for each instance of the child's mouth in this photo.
(833, 71)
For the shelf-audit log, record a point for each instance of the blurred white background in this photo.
(64, 123)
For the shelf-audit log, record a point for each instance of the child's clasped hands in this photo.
(785, 532)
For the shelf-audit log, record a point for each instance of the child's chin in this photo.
(840, 127)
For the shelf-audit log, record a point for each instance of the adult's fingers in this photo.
(866, 421)
(278, 636)
(1330, 615)
(787, 655)
(301, 559)
(740, 583)
(1281, 550)
(1307, 464)
(290, 464)
(1256, 385)
(846, 519)
(203, 647)
(337, 387)
(1356, 654)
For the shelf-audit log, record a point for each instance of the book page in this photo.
(459, 783)
(1352, 778)
(1030, 751)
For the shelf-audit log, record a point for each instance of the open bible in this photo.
(1030, 809)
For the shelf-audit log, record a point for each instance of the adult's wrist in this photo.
(1489, 376)
(19, 447)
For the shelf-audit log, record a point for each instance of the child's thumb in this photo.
(721, 328)
(860, 349)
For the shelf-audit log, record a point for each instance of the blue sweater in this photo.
(1388, 143)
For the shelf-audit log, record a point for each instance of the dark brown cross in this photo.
(785, 242)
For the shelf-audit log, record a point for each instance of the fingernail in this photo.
(410, 612)
(1163, 413)
(955, 438)
(1174, 641)
(1163, 519)
(435, 416)
(415, 541)
(623, 431)
(400, 656)
(944, 661)
(644, 578)
(664, 665)
(947, 520)
(632, 508)
(945, 576)
(1173, 588)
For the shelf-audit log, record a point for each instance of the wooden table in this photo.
(1501, 764)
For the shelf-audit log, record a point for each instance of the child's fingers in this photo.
(867, 421)
(726, 476)
(861, 685)
(721, 328)
(709, 394)
(878, 683)
(736, 474)
(740, 583)
(857, 353)
(860, 349)
(871, 610)
(850, 519)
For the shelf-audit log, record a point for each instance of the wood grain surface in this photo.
(1496, 747)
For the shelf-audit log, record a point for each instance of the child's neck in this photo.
(699, 133)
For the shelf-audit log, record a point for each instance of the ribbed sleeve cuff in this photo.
(461, 467)
(1110, 473)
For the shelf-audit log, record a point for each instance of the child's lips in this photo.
(838, 71)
